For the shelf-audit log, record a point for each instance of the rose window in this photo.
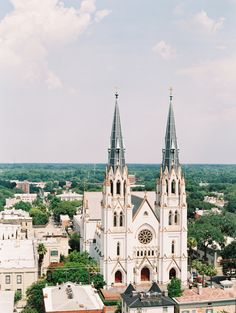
(145, 236)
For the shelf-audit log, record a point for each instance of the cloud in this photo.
(164, 50)
(208, 24)
(215, 77)
(33, 29)
(101, 14)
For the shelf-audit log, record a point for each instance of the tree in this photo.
(74, 241)
(204, 269)
(17, 296)
(98, 281)
(35, 296)
(174, 288)
(41, 252)
(229, 257)
(39, 217)
(25, 206)
(205, 231)
(192, 243)
(29, 310)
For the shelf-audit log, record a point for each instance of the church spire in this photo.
(116, 153)
(171, 152)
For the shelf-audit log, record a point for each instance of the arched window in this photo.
(176, 217)
(170, 218)
(121, 219)
(115, 219)
(118, 277)
(179, 188)
(118, 188)
(111, 183)
(167, 184)
(172, 273)
(173, 247)
(124, 189)
(173, 186)
(118, 249)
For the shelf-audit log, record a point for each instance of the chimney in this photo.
(199, 289)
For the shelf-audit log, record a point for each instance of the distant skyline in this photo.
(60, 62)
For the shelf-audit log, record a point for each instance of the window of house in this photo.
(8, 279)
(165, 308)
(54, 253)
(19, 290)
(185, 311)
(209, 310)
(19, 279)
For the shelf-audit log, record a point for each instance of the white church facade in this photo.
(137, 237)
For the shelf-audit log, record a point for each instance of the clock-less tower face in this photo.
(145, 236)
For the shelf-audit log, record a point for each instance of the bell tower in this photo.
(116, 211)
(171, 209)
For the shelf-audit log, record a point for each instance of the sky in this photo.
(61, 62)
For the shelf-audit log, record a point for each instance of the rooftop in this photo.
(71, 297)
(17, 254)
(10, 214)
(151, 298)
(92, 201)
(206, 295)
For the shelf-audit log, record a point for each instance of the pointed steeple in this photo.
(116, 153)
(171, 152)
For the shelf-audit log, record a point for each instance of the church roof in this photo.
(116, 155)
(171, 152)
(152, 298)
(92, 202)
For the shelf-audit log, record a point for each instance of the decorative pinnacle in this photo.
(171, 93)
(116, 93)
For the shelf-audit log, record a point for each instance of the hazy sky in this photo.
(60, 61)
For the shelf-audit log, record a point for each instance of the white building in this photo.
(12, 220)
(137, 237)
(18, 265)
(71, 297)
(70, 196)
(18, 197)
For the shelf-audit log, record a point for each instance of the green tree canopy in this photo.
(174, 288)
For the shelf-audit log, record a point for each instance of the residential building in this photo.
(23, 185)
(18, 197)
(19, 218)
(207, 300)
(70, 196)
(151, 301)
(18, 266)
(137, 236)
(72, 298)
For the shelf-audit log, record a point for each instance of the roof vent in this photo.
(69, 292)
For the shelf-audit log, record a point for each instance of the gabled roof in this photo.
(129, 290)
(116, 155)
(155, 288)
(152, 298)
(171, 152)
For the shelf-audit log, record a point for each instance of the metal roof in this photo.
(171, 152)
(116, 155)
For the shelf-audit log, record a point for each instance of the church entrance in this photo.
(145, 274)
(118, 277)
(172, 273)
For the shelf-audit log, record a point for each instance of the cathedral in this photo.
(137, 237)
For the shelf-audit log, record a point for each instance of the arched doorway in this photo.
(118, 277)
(172, 273)
(145, 274)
